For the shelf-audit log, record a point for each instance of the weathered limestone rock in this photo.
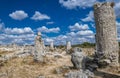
(80, 74)
(76, 74)
(78, 58)
(52, 45)
(106, 33)
(41, 77)
(39, 49)
(3, 75)
(68, 47)
(90, 63)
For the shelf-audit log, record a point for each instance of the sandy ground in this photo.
(52, 68)
(27, 68)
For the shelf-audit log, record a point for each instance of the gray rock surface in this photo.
(106, 32)
(39, 49)
(77, 74)
(78, 58)
(68, 47)
(80, 74)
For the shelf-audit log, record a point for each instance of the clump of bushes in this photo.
(60, 46)
(85, 45)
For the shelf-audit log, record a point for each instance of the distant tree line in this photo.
(119, 44)
(85, 45)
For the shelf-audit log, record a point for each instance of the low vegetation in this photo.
(85, 45)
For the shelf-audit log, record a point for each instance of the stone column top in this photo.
(39, 34)
(97, 5)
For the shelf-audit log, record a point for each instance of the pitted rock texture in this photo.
(78, 59)
(39, 48)
(68, 47)
(106, 33)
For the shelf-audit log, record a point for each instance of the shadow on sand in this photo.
(106, 75)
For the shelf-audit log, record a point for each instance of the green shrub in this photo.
(85, 45)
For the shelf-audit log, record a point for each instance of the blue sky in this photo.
(57, 20)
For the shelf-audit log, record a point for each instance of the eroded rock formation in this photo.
(106, 34)
(39, 49)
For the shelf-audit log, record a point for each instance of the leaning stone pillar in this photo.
(106, 33)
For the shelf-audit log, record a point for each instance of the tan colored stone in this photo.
(39, 48)
(106, 33)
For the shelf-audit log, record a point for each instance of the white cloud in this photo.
(39, 16)
(89, 17)
(117, 9)
(118, 29)
(48, 30)
(25, 30)
(21, 36)
(20, 39)
(50, 22)
(75, 38)
(18, 15)
(85, 33)
(59, 40)
(72, 34)
(118, 24)
(2, 26)
(78, 26)
(48, 40)
(17, 35)
(72, 4)
(82, 33)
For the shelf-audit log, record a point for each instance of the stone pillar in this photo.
(78, 58)
(14, 46)
(106, 33)
(43, 45)
(51, 45)
(39, 49)
(68, 46)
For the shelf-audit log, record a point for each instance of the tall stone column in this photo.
(52, 45)
(106, 33)
(68, 46)
(39, 49)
